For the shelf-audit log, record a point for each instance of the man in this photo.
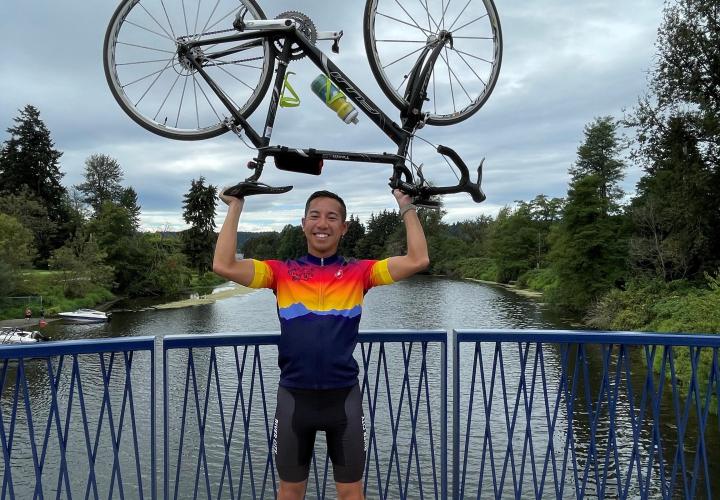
(319, 299)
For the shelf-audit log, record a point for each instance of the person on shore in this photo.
(28, 314)
(319, 303)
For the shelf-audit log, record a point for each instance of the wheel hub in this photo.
(184, 59)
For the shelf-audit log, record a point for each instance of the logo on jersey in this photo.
(300, 273)
(338, 274)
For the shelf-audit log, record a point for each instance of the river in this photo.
(419, 303)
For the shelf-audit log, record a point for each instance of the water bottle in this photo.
(334, 99)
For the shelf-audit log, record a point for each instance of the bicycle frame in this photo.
(284, 30)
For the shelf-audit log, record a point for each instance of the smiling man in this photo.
(319, 302)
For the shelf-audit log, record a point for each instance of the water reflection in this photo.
(420, 303)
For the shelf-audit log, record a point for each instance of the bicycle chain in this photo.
(218, 32)
(198, 35)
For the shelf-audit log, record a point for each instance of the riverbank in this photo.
(513, 288)
(206, 299)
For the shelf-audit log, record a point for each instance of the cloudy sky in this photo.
(564, 63)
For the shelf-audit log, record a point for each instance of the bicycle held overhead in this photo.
(193, 72)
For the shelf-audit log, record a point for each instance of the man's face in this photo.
(323, 226)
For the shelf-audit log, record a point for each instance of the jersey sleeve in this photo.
(264, 276)
(378, 274)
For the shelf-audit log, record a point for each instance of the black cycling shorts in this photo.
(301, 413)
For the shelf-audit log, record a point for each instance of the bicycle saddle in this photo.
(249, 188)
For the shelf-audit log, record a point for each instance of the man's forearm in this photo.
(226, 246)
(416, 244)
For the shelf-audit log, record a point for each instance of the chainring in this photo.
(305, 26)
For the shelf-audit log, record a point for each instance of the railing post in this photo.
(166, 449)
(153, 416)
(443, 419)
(456, 416)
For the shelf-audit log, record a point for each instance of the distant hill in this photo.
(242, 236)
(245, 236)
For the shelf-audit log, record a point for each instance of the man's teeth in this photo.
(321, 235)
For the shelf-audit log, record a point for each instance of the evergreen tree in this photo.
(129, 200)
(112, 229)
(514, 243)
(291, 244)
(685, 78)
(682, 106)
(199, 212)
(262, 247)
(673, 211)
(598, 155)
(380, 229)
(348, 243)
(103, 176)
(29, 158)
(29, 162)
(589, 246)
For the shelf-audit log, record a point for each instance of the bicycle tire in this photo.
(139, 30)
(489, 45)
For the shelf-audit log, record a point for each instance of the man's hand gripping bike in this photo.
(196, 71)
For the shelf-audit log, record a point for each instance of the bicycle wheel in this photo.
(162, 91)
(463, 76)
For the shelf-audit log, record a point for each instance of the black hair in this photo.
(326, 194)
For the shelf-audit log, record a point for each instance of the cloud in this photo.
(564, 64)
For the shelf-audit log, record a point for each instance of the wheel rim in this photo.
(465, 73)
(163, 91)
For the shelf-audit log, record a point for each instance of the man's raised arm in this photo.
(417, 259)
(224, 262)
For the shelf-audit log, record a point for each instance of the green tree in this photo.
(685, 77)
(598, 156)
(199, 212)
(379, 231)
(588, 248)
(292, 243)
(16, 251)
(262, 247)
(514, 243)
(673, 212)
(81, 266)
(684, 87)
(348, 243)
(103, 176)
(32, 214)
(29, 158)
(129, 200)
(113, 230)
(29, 162)
(15, 243)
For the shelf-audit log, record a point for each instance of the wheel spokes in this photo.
(467, 24)
(144, 48)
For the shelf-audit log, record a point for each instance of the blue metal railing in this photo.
(575, 414)
(69, 424)
(219, 382)
(541, 414)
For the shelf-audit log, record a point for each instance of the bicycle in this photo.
(175, 96)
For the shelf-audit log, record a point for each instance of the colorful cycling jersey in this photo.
(319, 302)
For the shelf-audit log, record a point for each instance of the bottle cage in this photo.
(293, 100)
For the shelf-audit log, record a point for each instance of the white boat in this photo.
(86, 316)
(12, 335)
